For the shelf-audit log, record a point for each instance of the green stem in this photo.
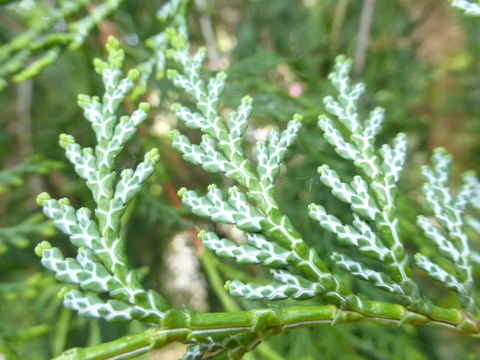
(267, 322)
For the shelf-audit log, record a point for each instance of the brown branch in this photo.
(363, 36)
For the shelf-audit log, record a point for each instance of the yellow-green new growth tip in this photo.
(145, 106)
(342, 58)
(112, 44)
(42, 197)
(116, 53)
(175, 38)
(247, 99)
(152, 155)
(65, 140)
(64, 201)
(134, 74)
(62, 292)
(87, 150)
(44, 245)
(417, 257)
(171, 32)
(99, 65)
(440, 150)
(298, 117)
(181, 191)
(321, 117)
(117, 58)
(172, 134)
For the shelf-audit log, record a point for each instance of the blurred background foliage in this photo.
(419, 59)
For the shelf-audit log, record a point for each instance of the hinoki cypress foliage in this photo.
(101, 265)
(316, 286)
(107, 287)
